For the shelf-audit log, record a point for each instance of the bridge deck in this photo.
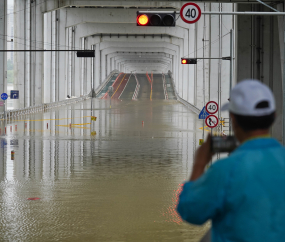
(118, 185)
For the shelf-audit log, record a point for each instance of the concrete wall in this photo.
(260, 54)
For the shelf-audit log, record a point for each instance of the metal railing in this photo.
(164, 87)
(137, 89)
(11, 114)
(104, 83)
(183, 101)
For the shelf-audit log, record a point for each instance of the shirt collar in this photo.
(259, 142)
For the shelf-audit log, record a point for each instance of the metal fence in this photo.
(183, 101)
(11, 114)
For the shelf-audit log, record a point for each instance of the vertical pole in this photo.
(4, 110)
(203, 128)
(231, 73)
(283, 87)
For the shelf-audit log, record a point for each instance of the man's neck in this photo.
(254, 134)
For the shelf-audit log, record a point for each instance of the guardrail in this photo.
(164, 87)
(136, 89)
(107, 92)
(183, 101)
(11, 114)
(98, 89)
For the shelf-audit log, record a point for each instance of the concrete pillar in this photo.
(97, 65)
(62, 63)
(29, 66)
(3, 46)
(36, 27)
(19, 57)
(47, 57)
(88, 70)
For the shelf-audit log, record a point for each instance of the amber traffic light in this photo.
(156, 18)
(188, 61)
(142, 19)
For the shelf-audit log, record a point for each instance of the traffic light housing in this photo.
(188, 61)
(86, 53)
(156, 18)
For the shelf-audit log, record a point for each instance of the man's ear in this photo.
(232, 117)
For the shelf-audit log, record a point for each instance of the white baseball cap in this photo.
(250, 98)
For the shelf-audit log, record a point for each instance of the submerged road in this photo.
(116, 179)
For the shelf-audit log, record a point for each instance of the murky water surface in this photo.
(120, 184)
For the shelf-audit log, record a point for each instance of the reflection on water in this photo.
(121, 184)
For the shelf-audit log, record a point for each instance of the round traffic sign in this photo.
(212, 107)
(190, 13)
(211, 121)
(4, 96)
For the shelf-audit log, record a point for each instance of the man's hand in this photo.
(202, 157)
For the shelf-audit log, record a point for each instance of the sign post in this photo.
(212, 121)
(4, 97)
(203, 114)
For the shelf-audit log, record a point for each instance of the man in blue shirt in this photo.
(243, 194)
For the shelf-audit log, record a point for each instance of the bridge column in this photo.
(20, 58)
(47, 58)
(97, 66)
(3, 46)
(36, 58)
(62, 63)
(88, 67)
(28, 75)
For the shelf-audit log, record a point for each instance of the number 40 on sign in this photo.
(212, 107)
(190, 13)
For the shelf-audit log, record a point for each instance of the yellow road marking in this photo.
(205, 129)
(118, 86)
(64, 125)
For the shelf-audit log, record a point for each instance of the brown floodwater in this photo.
(118, 184)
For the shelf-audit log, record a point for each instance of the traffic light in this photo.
(188, 61)
(156, 18)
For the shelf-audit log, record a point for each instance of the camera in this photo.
(223, 143)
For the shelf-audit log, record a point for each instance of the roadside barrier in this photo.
(137, 89)
(11, 114)
(184, 102)
(99, 89)
(164, 87)
(106, 94)
(150, 81)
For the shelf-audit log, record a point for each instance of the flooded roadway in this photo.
(120, 184)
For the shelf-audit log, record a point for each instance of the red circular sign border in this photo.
(185, 20)
(207, 108)
(211, 127)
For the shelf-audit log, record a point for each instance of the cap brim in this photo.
(225, 107)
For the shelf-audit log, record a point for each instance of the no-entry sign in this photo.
(211, 121)
(190, 13)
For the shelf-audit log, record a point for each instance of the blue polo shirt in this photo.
(243, 194)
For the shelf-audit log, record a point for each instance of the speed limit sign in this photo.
(212, 107)
(190, 13)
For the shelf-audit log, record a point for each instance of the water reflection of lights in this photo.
(171, 213)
